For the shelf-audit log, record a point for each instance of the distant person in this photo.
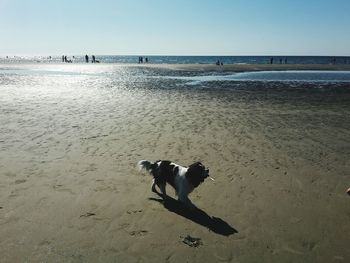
(141, 60)
(86, 58)
(271, 61)
(146, 59)
(63, 58)
(93, 59)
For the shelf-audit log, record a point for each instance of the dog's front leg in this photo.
(154, 186)
(183, 198)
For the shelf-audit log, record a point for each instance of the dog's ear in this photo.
(198, 165)
(195, 173)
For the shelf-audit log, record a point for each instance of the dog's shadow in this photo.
(198, 216)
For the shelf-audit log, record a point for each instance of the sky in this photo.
(175, 27)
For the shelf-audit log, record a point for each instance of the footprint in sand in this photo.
(138, 233)
(9, 174)
(20, 181)
(58, 187)
(134, 211)
(293, 251)
(44, 243)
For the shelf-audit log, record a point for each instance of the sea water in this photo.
(182, 59)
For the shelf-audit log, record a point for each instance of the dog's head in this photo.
(197, 173)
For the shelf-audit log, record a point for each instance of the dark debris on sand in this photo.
(87, 214)
(192, 241)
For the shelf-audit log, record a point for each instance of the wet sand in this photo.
(190, 67)
(70, 190)
(248, 67)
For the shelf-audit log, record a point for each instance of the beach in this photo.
(71, 136)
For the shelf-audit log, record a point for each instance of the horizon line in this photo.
(169, 55)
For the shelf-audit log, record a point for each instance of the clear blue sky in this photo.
(175, 27)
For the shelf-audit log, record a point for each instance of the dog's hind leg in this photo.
(162, 189)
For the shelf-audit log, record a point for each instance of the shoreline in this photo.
(250, 67)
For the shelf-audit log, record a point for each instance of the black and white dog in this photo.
(183, 179)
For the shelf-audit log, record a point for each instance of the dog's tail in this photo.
(145, 165)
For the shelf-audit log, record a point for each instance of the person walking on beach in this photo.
(271, 60)
(86, 58)
(93, 59)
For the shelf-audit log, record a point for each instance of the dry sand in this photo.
(70, 192)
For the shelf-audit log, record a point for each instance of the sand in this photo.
(70, 190)
(248, 67)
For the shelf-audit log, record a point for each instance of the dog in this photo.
(182, 179)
